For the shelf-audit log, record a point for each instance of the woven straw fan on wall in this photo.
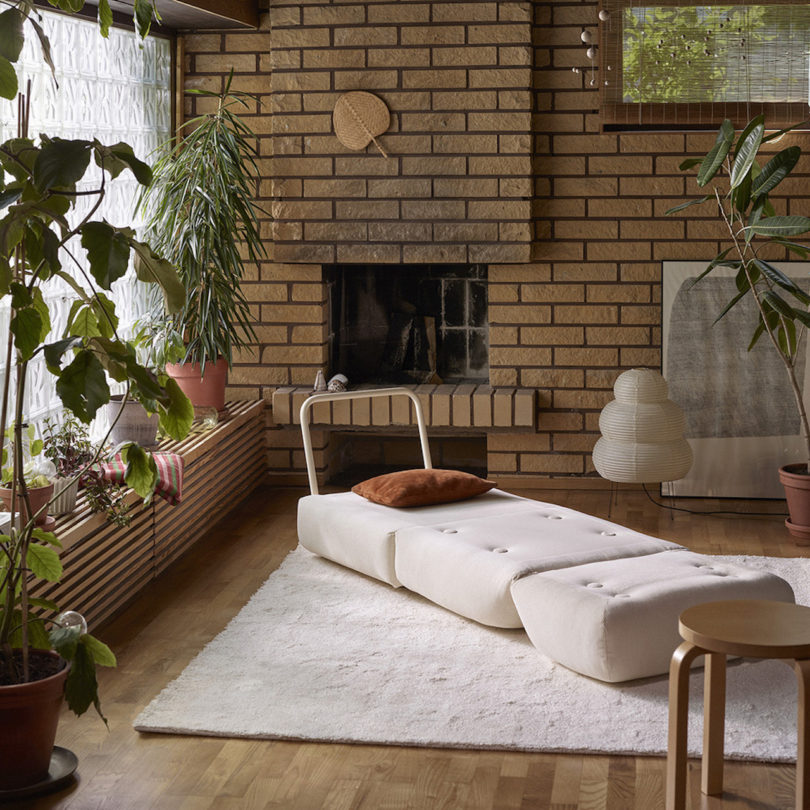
(358, 118)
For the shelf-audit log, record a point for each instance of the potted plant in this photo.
(68, 447)
(739, 188)
(44, 653)
(201, 217)
(35, 474)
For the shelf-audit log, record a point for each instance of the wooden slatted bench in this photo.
(106, 566)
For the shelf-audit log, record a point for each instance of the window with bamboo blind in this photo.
(680, 64)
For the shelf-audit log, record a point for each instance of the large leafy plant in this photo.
(739, 184)
(202, 218)
(40, 231)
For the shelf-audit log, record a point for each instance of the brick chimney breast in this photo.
(456, 77)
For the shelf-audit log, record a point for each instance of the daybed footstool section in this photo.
(468, 565)
(618, 620)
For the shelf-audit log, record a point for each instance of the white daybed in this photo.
(593, 595)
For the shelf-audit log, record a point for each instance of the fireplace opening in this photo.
(399, 324)
(356, 456)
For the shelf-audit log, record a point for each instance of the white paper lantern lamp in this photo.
(642, 432)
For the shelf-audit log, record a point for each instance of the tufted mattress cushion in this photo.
(468, 564)
(357, 533)
(618, 620)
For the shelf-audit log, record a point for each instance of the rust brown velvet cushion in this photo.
(422, 487)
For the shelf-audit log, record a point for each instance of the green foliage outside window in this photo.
(714, 54)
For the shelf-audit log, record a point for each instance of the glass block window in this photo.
(115, 89)
(696, 64)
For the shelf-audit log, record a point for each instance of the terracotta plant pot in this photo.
(38, 496)
(207, 391)
(796, 481)
(29, 714)
(134, 424)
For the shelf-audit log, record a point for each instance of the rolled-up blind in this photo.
(676, 63)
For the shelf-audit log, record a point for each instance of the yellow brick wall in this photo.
(468, 108)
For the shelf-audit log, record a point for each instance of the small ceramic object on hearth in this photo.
(338, 383)
(319, 385)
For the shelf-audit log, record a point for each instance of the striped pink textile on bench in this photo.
(169, 479)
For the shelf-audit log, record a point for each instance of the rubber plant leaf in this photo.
(776, 170)
(689, 203)
(775, 275)
(779, 133)
(716, 261)
(757, 120)
(734, 301)
(781, 226)
(746, 154)
(799, 250)
(714, 159)
(758, 332)
(778, 304)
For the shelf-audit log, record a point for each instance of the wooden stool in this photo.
(746, 627)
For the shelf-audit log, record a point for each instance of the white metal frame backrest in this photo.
(370, 393)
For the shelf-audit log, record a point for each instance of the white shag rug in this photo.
(323, 653)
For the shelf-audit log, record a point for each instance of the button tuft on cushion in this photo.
(500, 550)
(595, 585)
(554, 517)
(449, 531)
(608, 534)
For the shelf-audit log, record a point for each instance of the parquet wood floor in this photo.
(157, 636)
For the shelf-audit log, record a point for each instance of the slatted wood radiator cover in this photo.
(106, 566)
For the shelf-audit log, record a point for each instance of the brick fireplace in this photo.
(455, 192)
(496, 159)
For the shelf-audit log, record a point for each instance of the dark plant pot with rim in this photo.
(38, 496)
(29, 714)
(796, 481)
(206, 390)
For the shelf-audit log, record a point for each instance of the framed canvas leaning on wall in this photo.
(740, 411)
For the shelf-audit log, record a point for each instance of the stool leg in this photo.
(678, 724)
(802, 669)
(714, 723)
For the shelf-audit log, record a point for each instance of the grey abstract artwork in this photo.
(740, 410)
(713, 376)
